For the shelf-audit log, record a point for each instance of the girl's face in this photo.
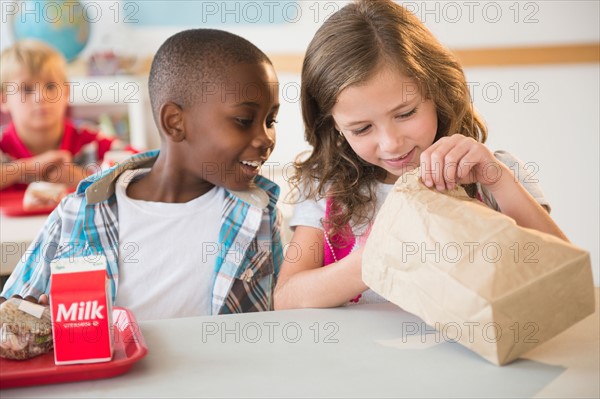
(386, 121)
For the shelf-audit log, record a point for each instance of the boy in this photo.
(190, 229)
(41, 143)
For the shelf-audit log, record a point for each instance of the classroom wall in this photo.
(548, 115)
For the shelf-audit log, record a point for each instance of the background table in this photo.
(16, 233)
(356, 351)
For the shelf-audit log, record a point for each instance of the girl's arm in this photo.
(516, 202)
(461, 160)
(303, 283)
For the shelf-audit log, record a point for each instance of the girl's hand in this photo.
(458, 159)
(462, 160)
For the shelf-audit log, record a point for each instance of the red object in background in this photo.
(129, 347)
(11, 204)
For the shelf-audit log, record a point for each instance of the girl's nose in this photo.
(390, 140)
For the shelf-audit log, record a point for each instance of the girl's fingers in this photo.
(475, 164)
(454, 160)
(436, 159)
(430, 164)
(437, 163)
(425, 168)
(453, 164)
(468, 163)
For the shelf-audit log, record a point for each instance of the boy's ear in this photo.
(171, 121)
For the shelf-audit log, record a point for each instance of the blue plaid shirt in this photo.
(86, 224)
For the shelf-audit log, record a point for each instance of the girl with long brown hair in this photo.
(381, 96)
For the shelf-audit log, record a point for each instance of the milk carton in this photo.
(81, 308)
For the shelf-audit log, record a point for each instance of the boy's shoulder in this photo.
(100, 186)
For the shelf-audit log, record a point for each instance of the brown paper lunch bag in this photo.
(472, 273)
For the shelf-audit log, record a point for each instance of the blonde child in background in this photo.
(380, 97)
(41, 143)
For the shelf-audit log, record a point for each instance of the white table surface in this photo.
(359, 351)
(16, 233)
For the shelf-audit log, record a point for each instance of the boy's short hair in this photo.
(190, 60)
(32, 56)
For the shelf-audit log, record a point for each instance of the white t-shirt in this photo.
(311, 213)
(167, 253)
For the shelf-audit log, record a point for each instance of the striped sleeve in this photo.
(277, 248)
(32, 274)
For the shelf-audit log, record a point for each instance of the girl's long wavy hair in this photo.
(347, 50)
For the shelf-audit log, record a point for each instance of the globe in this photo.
(62, 24)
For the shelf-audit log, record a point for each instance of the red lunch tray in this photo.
(129, 347)
(11, 204)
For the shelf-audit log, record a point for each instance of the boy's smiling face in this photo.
(230, 129)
